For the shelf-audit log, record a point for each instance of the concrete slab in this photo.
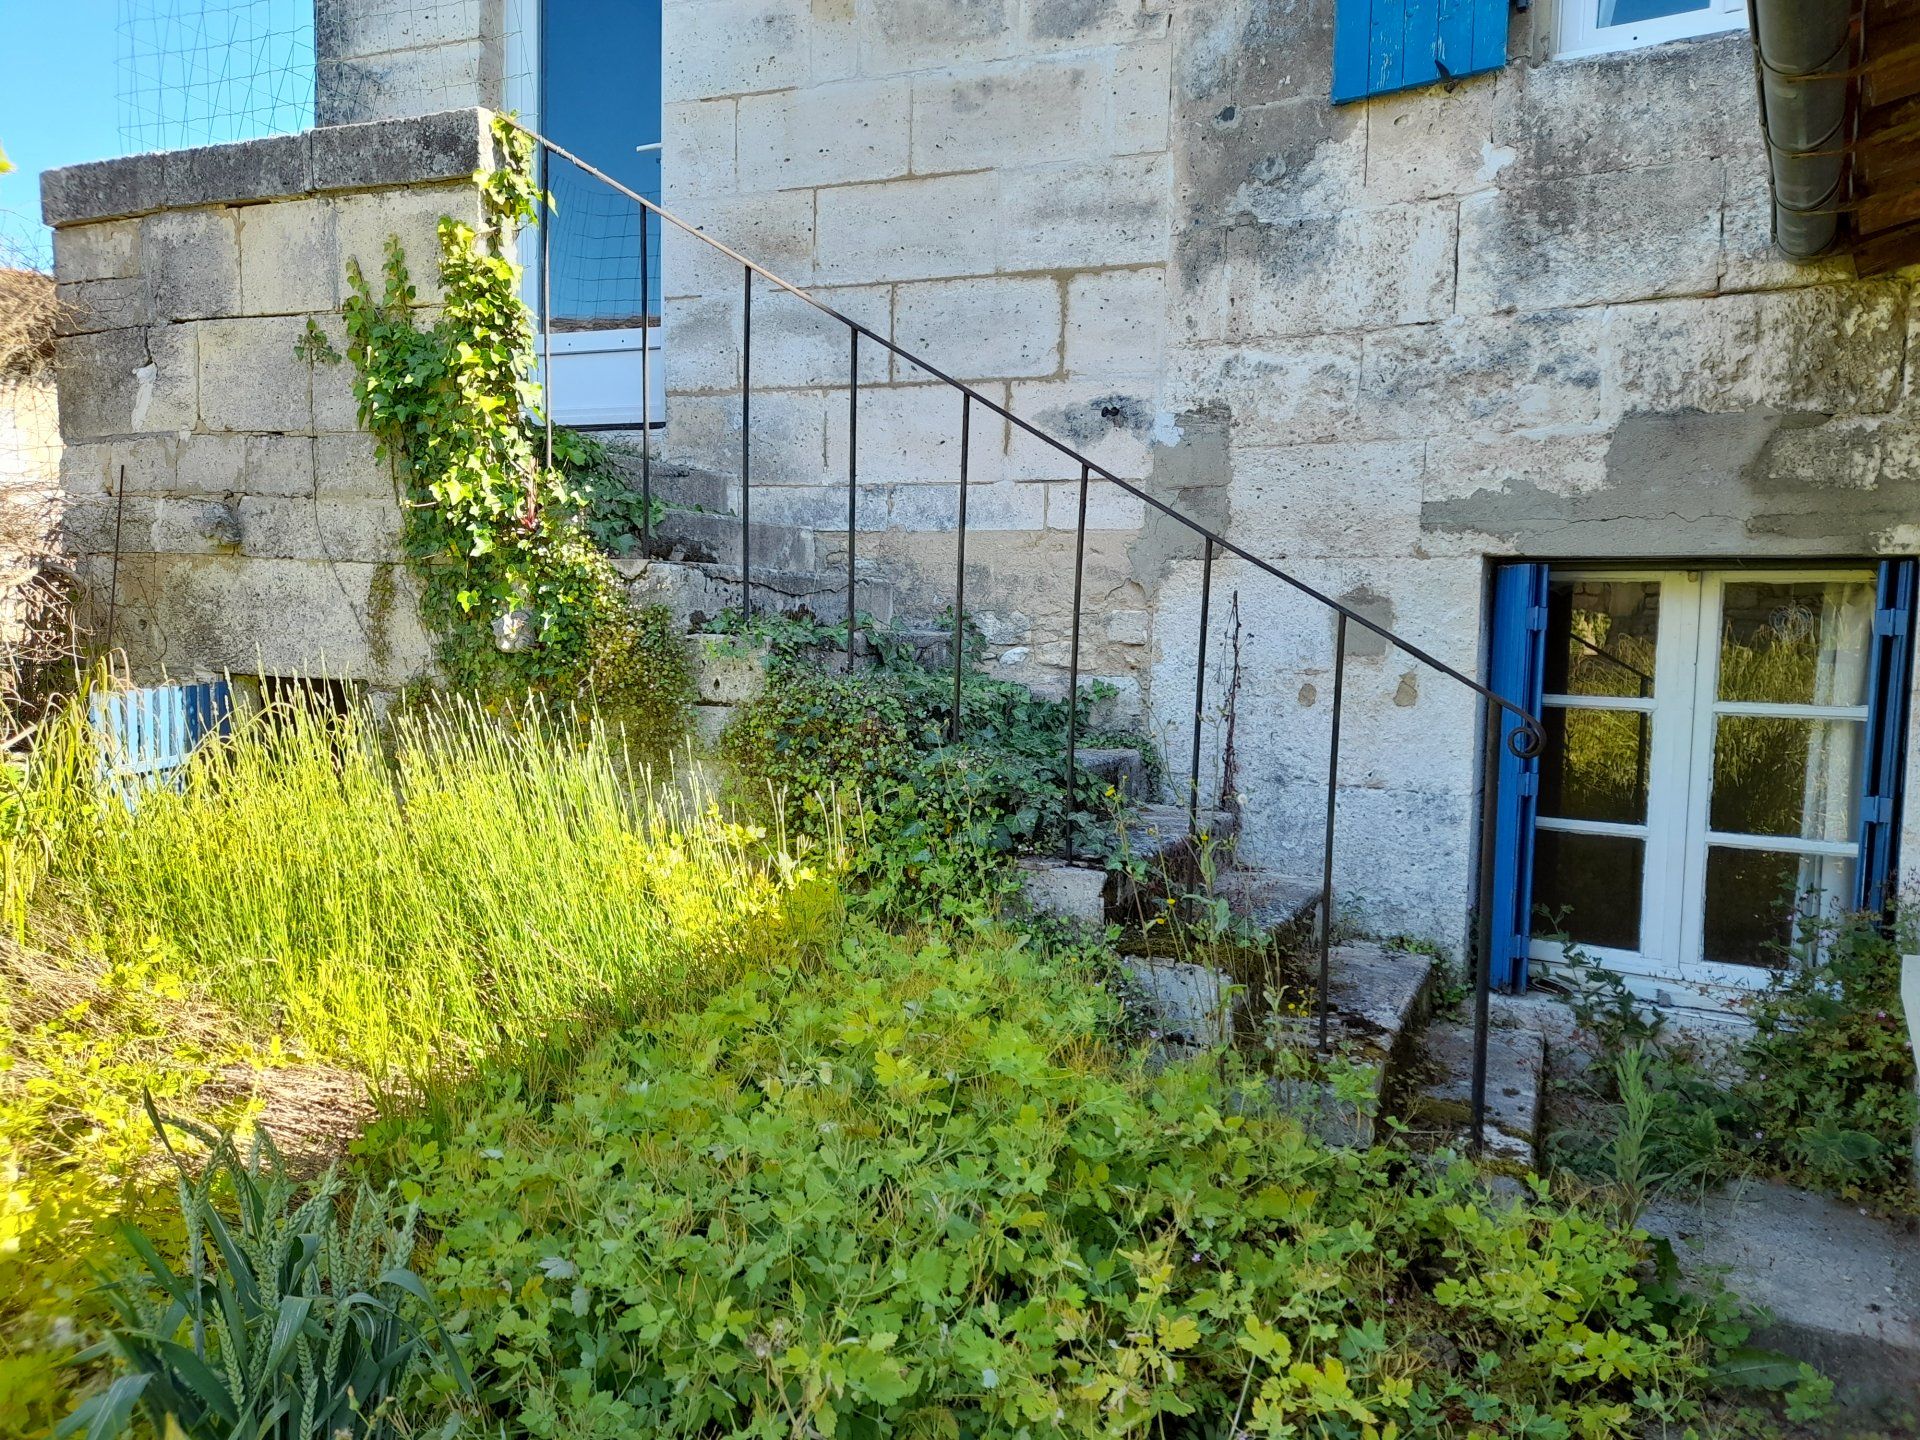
(1068, 892)
(1191, 1005)
(1516, 1077)
(1843, 1286)
(1270, 899)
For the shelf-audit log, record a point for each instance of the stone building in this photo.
(1518, 314)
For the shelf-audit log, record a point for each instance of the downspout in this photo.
(1803, 59)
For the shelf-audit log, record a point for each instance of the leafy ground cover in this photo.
(916, 1187)
(323, 900)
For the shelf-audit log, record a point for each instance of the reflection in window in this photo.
(1778, 776)
(1600, 637)
(1633, 12)
(1757, 899)
(1595, 765)
(1800, 643)
(1588, 887)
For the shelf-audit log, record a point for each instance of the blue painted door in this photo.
(1516, 672)
(1889, 685)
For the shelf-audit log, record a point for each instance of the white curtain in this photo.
(1831, 790)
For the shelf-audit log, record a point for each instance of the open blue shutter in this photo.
(1383, 45)
(1889, 683)
(1517, 672)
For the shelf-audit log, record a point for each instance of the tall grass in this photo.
(449, 891)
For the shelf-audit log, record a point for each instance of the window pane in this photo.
(1595, 765)
(1802, 643)
(1755, 896)
(1632, 12)
(1786, 777)
(1595, 880)
(1600, 636)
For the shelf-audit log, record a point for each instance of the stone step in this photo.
(1271, 900)
(711, 537)
(728, 670)
(1377, 999)
(1840, 1287)
(709, 721)
(1516, 1083)
(1164, 857)
(1123, 770)
(672, 482)
(696, 592)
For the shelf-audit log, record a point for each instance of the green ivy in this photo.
(513, 586)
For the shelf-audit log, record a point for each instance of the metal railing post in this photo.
(960, 569)
(1483, 967)
(1073, 653)
(853, 475)
(646, 387)
(1326, 851)
(746, 443)
(546, 304)
(1200, 688)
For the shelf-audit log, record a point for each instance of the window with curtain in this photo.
(1710, 737)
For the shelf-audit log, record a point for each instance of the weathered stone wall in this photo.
(1533, 313)
(223, 506)
(391, 59)
(986, 189)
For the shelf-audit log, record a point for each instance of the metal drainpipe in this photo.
(1804, 58)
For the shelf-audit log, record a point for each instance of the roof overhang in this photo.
(1839, 84)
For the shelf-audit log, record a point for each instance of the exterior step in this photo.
(1377, 999)
(1064, 891)
(1841, 1287)
(696, 592)
(1124, 771)
(672, 482)
(1165, 858)
(713, 538)
(1269, 899)
(1516, 1084)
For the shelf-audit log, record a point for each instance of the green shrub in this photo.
(934, 820)
(1828, 1096)
(912, 1190)
(285, 1324)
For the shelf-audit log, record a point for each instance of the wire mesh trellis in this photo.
(199, 72)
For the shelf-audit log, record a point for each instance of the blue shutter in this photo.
(145, 735)
(1516, 672)
(1384, 45)
(1889, 683)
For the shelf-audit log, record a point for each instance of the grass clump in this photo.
(914, 1188)
(449, 893)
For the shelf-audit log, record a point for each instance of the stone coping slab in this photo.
(449, 145)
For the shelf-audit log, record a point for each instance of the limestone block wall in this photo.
(222, 505)
(390, 59)
(1533, 313)
(985, 187)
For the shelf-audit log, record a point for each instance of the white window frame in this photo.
(596, 373)
(1670, 966)
(1581, 33)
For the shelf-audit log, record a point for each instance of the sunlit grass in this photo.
(453, 890)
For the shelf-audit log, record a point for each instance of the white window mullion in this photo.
(1703, 685)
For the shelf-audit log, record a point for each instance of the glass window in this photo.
(1602, 635)
(1587, 887)
(600, 98)
(1587, 26)
(1803, 643)
(1782, 776)
(1756, 900)
(1595, 765)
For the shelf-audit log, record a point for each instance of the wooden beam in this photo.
(1889, 250)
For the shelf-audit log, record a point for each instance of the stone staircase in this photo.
(1380, 998)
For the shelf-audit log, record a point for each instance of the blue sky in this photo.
(59, 87)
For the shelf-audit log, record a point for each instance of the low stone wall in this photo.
(223, 507)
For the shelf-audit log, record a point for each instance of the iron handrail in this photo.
(1530, 726)
(1524, 740)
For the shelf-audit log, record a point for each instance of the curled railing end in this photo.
(1527, 739)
